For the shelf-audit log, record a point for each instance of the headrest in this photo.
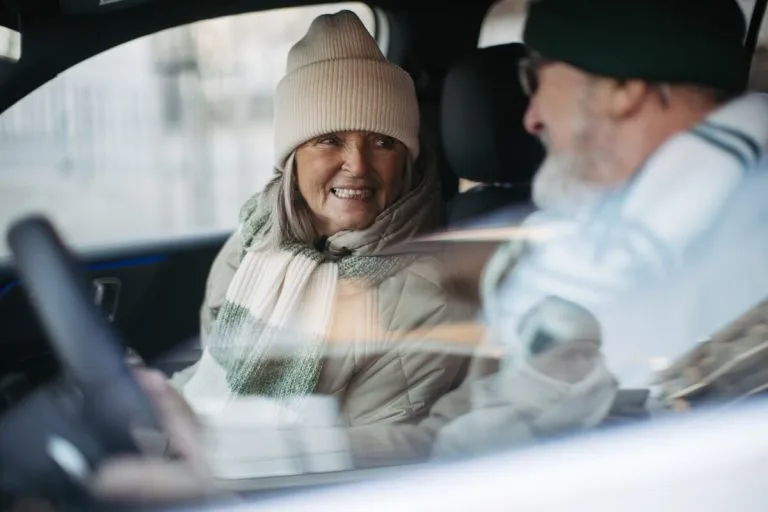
(482, 118)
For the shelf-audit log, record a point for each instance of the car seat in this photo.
(482, 132)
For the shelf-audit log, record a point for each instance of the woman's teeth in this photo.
(352, 193)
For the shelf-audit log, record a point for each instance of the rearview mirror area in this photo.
(10, 45)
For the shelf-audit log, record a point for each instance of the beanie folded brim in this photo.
(345, 95)
(637, 40)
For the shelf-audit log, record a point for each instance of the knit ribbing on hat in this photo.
(674, 41)
(338, 80)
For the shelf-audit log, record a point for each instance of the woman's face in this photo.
(348, 178)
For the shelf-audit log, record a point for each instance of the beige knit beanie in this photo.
(337, 79)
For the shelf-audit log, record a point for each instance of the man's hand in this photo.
(179, 475)
(569, 361)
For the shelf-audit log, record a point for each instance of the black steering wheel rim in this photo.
(98, 406)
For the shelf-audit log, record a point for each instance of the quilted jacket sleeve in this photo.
(419, 364)
(221, 274)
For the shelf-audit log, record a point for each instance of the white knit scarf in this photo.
(268, 336)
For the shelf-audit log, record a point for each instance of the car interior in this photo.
(469, 99)
(481, 93)
(151, 292)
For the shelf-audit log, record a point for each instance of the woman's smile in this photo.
(353, 194)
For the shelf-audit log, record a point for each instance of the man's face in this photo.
(563, 112)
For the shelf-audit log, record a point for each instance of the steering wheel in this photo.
(57, 435)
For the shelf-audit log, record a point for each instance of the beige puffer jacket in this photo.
(388, 361)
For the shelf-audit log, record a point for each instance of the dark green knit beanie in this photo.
(697, 42)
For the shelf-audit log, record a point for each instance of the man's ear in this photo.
(625, 97)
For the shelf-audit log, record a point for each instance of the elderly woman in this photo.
(298, 301)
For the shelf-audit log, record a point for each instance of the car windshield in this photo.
(343, 259)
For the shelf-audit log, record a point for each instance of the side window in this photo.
(758, 78)
(162, 137)
(503, 24)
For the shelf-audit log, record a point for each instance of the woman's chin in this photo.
(353, 223)
(351, 213)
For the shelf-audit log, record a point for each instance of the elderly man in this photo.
(653, 189)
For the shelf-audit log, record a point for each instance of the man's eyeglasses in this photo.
(528, 69)
(528, 73)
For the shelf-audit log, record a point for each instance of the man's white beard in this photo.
(559, 187)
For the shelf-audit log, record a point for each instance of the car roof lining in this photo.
(44, 55)
(14, 13)
(43, 27)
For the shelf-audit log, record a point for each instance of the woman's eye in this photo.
(385, 142)
(328, 141)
